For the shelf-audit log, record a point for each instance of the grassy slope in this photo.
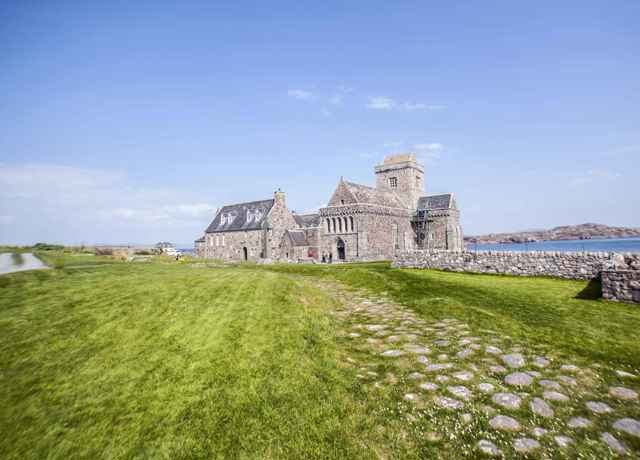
(167, 361)
(537, 311)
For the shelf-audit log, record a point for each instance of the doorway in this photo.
(341, 249)
(245, 253)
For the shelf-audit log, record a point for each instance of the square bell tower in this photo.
(402, 174)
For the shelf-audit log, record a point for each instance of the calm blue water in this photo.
(611, 245)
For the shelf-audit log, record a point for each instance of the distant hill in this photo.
(566, 232)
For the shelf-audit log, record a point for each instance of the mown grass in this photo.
(534, 311)
(105, 359)
(169, 361)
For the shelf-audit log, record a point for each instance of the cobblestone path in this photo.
(482, 393)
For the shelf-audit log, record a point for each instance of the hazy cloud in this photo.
(69, 204)
(428, 151)
(594, 175)
(381, 103)
(387, 103)
(300, 94)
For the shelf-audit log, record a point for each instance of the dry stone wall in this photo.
(621, 285)
(620, 273)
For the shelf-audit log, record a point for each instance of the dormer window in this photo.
(393, 182)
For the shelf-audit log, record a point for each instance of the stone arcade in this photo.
(358, 223)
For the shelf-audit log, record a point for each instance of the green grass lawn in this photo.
(179, 360)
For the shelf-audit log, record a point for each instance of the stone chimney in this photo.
(279, 197)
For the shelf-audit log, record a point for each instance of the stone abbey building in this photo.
(358, 223)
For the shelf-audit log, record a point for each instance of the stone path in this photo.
(485, 391)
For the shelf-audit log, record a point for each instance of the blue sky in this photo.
(133, 121)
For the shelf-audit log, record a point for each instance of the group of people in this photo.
(327, 258)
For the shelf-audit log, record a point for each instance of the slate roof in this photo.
(307, 220)
(298, 237)
(371, 195)
(444, 201)
(241, 216)
(200, 240)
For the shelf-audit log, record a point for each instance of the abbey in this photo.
(358, 223)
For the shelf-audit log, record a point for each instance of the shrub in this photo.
(48, 247)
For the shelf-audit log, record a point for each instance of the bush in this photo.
(104, 251)
(48, 247)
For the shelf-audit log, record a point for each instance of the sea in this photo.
(595, 245)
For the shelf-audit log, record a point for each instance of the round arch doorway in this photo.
(341, 247)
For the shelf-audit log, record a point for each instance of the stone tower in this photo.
(404, 175)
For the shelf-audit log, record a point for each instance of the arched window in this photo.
(328, 225)
(334, 228)
(339, 225)
(394, 229)
(351, 223)
(346, 225)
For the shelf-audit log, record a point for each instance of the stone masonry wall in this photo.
(621, 285)
(620, 273)
(279, 221)
(229, 246)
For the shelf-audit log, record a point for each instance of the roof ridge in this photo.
(247, 202)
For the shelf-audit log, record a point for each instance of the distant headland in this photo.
(566, 232)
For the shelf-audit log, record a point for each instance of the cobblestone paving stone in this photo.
(488, 386)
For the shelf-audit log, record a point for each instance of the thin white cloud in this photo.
(387, 103)
(70, 204)
(428, 151)
(300, 94)
(381, 103)
(336, 99)
(594, 175)
(6, 220)
(428, 147)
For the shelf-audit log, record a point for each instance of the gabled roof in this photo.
(298, 237)
(371, 195)
(351, 193)
(444, 201)
(307, 220)
(241, 216)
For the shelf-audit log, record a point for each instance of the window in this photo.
(417, 181)
(393, 182)
(328, 225)
(217, 240)
(341, 201)
(351, 223)
(395, 236)
(222, 240)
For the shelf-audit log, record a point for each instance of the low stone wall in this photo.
(621, 285)
(620, 272)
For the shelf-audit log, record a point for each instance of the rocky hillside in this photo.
(566, 232)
